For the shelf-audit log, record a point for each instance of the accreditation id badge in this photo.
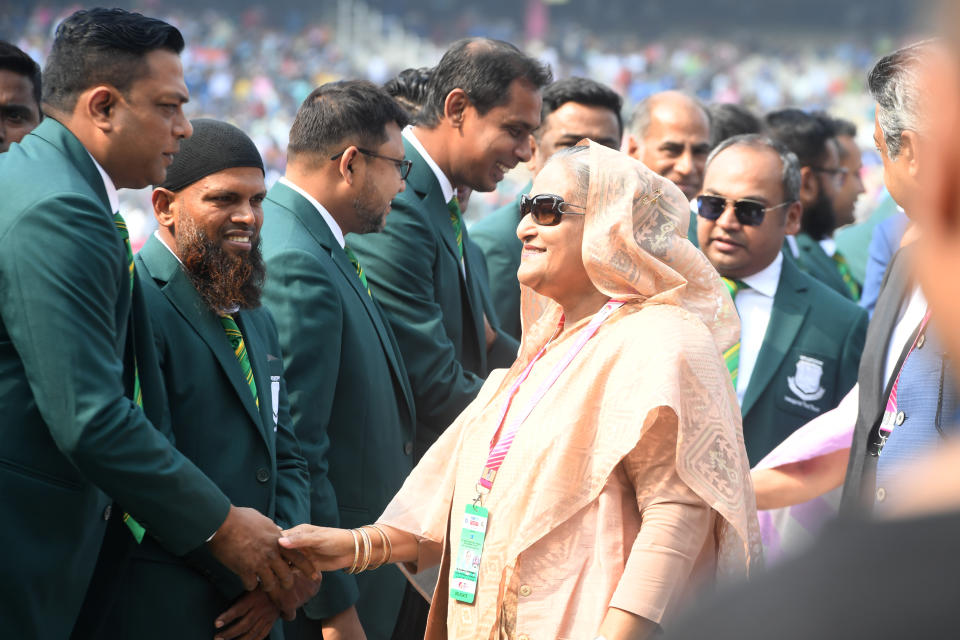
(463, 588)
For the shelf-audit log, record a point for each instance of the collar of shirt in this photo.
(794, 247)
(334, 227)
(829, 246)
(112, 196)
(765, 282)
(445, 185)
(156, 234)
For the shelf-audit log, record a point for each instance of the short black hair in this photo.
(12, 58)
(843, 127)
(581, 91)
(409, 88)
(354, 112)
(728, 120)
(806, 134)
(102, 46)
(484, 69)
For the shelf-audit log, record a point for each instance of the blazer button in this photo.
(901, 416)
(107, 512)
(525, 590)
(263, 475)
(408, 448)
(881, 494)
(921, 340)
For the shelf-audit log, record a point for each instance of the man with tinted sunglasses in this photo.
(800, 341)
(573, 109)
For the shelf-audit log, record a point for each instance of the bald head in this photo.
(670, 133)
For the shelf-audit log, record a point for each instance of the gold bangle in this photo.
(356, 551)
(367, 550)
(387, 545)
(383, 539)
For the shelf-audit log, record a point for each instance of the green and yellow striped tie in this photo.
(847, 276)
(240, 350)
(456, 219)
(732, 355)
(356, 265)
(135, 527)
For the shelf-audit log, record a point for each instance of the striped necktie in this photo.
(456, 220)
(732, 355)
(135, 527)
(847, 276)
(352, 257)
(240, 350)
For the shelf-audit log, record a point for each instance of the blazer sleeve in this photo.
(306, 309)
(399, 263)
(59, 299)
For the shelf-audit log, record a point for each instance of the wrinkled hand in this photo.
(246, 543)
(328, 549)
(289, 600)
(343, 626)
(250, 618)
(489, 332)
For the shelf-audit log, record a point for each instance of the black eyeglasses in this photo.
(838, 176)
(547, 209)
(749, 212)
(403, 166)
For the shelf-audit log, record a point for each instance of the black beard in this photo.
(223, 280)
(819, 220)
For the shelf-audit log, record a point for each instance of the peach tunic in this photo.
(630, 474)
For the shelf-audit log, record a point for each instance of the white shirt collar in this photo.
(112, 196)
(334, 227)
(765, 282)
(445, 185)
(829, 246)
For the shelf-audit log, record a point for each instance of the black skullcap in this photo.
(214, 146)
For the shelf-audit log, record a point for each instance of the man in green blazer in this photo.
(812, 137)
(352, 405)
(483, 101)
(76, 360)
(201, 273)
(573, 109)
(800, 342)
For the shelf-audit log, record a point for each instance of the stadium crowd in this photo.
(288, 391)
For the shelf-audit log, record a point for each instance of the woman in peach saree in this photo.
(607, 464)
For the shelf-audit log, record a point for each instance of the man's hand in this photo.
(246, 543)
(343, 626)
(489, 332)
(289, 600)
(250, 618)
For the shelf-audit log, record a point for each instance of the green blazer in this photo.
(808, 360)
(248, 450)
(351, 399)
(496, 235)
(815, 261)
(413, 267)
(71, 439)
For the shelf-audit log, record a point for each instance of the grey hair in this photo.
(579, 163)
(894, 83)
(640, 121)
(790, 175)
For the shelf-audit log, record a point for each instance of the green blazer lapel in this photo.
(790, 307)
(77, 155)
(163, 266)
(255, 344)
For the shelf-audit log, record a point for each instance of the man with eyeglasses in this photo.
(350, 398)
(812, 138)
(800, 342)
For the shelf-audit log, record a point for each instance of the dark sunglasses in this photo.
(749, 212)
(403, 166)
(547, 209)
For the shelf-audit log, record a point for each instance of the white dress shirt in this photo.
(445, 185)
(755, 306)
(334, 227)
(910, 317)
(112, 196)
(829, 246)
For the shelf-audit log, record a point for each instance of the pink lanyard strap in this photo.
(890, 414)
(499, 448)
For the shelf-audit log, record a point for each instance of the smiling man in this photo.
(800, 342)
(20, 91)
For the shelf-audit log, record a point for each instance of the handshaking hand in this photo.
(326, 548)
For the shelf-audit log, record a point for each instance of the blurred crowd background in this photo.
(253, 63)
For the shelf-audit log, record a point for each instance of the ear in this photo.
(631, 146)
(163, 207)
(454, 106)
(99, 106)
(791, 221)
(348, 165)
(909, 152)
(535, 163)
(809, 185)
